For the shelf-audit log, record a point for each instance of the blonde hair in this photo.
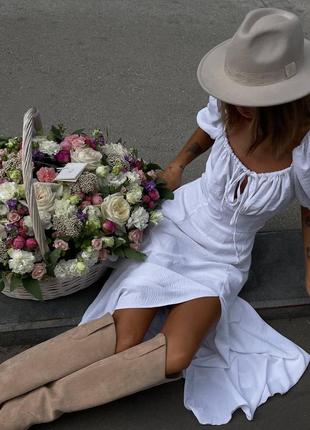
(284, 124)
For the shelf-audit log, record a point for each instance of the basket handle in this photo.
(31, 122)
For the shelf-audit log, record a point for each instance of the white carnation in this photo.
(115, 152)
(133, 177)
(63, 207)
(139, 219)
(21, 261)
(93, 212)
(45, 218)
(8, 190)
(47, 146)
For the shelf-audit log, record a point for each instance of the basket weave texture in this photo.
(52, 287)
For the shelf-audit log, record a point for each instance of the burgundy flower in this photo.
(63, 156)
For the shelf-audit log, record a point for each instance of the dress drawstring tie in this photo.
(239, 203)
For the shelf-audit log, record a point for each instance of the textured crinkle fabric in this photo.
(203, 248)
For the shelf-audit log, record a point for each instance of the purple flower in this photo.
(100, 140)
(81, 215)
(131, 160)
(37, 155)
(12, 204)
(149, 185)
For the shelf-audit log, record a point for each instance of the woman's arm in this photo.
(305, 222)
(198, 143)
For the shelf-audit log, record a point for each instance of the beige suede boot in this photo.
(57, 357)
(126, 372)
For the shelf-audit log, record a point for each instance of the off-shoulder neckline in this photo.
(287, 170)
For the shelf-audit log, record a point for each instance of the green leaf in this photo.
(15, 282)
(152, 166)
(79, 131)
(166, 193)
(54, 256)
(135, 255)
(160, 181)
(119, 251)
(33, 287)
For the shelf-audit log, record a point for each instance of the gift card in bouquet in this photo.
(70, 172)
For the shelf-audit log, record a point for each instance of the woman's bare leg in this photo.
(131, 325)
(185, 327)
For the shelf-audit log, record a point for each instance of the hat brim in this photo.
(215, 81)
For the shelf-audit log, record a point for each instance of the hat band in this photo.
(262, 78)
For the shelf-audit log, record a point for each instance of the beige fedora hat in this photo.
(266, 62)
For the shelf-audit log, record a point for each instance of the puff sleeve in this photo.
(301, 171)
(209, 118)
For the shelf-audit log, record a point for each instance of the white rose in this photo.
(21, 261)
(115, 208)
(134, 194)
(139, 219)
(8, 190)
(86, 155)
(44, 196)
(47, 146)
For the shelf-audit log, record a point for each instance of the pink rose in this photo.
(13, 216)
(96, 244)
(108, 226)
(152, 174)
(97, 199)
(88, 198)
(31, 243)
(65, 145)
(151, 205)
(38, 271)
(146, 198)
(141, 175)
(135, 235)
(63, 156)
(18, 242)
(154, 194)
(46, 174)
(61, 244)
(103, 254)
(135, 246)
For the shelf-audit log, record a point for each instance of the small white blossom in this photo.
(21, 261)
(47, 146)
(8, 190)
(139, 219)
(156, 217)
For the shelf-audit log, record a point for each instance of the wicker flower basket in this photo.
(52, 287)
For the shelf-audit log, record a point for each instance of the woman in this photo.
(178, 314)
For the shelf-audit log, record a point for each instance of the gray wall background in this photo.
(126, 64)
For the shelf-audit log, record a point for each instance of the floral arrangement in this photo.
(99, 216)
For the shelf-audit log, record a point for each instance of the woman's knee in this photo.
(177, 357)
(130, 327)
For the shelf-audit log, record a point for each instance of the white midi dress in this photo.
(203, 247)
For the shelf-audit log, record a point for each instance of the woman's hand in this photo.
(172, 174)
